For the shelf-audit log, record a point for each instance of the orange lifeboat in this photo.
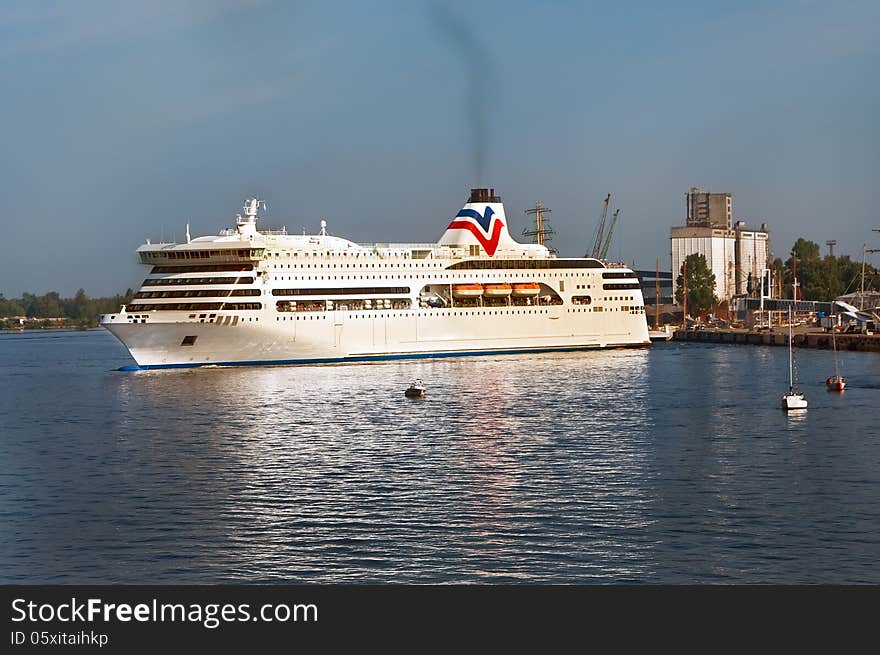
(526, 289)
(467, 290)
(498, 290)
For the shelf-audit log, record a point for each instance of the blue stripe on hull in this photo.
(376, 358)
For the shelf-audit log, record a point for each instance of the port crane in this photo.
(600, 230)
(607, 244)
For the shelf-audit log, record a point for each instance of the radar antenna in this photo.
(252, 206)
(247, 224)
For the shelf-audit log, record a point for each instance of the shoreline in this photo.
(54, 328)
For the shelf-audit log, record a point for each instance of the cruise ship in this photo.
(265, 297)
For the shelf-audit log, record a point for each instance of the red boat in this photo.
(836, 383)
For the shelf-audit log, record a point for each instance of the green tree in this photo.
(806, 250)
(10, 307)
(820, 278)
(81, 308)
(807, 265)
(700, 284)
(851, 275)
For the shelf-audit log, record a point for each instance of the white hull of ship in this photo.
(338, 336)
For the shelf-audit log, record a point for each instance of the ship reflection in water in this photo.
(328, 473)
(660, 465)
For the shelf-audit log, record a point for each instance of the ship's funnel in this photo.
(481, 222)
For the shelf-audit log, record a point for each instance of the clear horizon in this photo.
(125, 122)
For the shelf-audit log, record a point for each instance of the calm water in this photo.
(664, 465)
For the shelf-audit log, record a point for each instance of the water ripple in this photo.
(666, 465)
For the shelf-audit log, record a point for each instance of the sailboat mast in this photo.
(834, 345)
(790, 356)
(657, 296)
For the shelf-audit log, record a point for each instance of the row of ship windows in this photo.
(175, 281)
(448, 280)
(599, 308)
(204, 268)
(342, 305)
(485, 264)
(234, 320)
(407, 265)
(436, 314)
(223, 320)
(196, 306)
(480, 265)
(197, 293)
(468, 265)
(501, 312)
(354, 255)
(357, 304)
(341, 291)
(473, 264)
(457, 275)
(253, 253)
(519, 277)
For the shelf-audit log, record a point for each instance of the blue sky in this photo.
(123, 121)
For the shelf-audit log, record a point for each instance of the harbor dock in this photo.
(810, 339)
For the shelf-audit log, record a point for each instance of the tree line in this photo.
(80, 310)
(819, 278)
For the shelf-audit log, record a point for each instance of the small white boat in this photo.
(415, 390)
(793, 399)
(660, 335)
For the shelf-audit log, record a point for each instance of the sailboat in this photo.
(836, 382)
(793, 399)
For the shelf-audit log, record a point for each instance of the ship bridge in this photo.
(207, 252)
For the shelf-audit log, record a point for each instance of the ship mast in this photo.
(542, 233)
(247, 224)
(657, 296)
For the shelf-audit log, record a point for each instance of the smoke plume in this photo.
(478, 95)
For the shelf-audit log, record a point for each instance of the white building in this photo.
(752, 255)
(717, 245)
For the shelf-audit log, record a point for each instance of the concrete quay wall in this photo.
(820, 340)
